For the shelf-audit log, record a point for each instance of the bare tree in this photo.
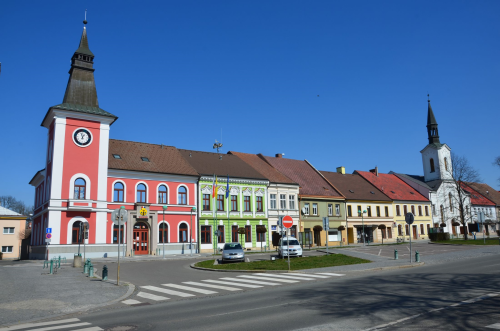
(497, 163)
(9, 202)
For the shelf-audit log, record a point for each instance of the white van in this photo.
(290, 246)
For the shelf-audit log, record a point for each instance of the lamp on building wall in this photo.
(191, 231)
(163, 233)
(363, 224)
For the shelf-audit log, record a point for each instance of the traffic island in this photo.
(312, 262)
(479, 241)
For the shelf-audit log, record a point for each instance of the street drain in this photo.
(122, 328)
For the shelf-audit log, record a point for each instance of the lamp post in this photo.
(363, 224)
(163, 233)
(191, 231)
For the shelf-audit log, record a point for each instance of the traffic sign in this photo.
(48, 230)
(409, 218)
(481, 217)
(287, 221)
(47, 240)
(114, 216)
(48, 235)
(326, 223)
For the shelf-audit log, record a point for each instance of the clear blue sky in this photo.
(178, 72)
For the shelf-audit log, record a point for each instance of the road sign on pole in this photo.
(481, 219)
(48, 230)
(326, 226)
(409, 218)
(287, 221)
(48, 235)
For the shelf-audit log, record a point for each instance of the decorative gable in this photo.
(247, 191)
(206, 189)
(259, 192)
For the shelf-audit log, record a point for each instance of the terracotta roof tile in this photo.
(273, 175)
(392, 186)
(162, 159)
(486, 191)
(475, 197)
(353, 186)
(311, 183)
(207, 163)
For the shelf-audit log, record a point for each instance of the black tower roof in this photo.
(432, 126)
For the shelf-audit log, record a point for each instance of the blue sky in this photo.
(177, 72)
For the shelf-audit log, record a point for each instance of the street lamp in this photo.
(363, 224)
(163, 233)
(191, 231)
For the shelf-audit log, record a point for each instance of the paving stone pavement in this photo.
(28, 292)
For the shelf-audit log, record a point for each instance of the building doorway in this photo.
(368, 235)
(415, 232)
(141, 238)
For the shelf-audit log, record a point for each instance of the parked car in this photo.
(232, 252)
(290, 246)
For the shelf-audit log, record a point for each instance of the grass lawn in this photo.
(478, 241)
(298, 263)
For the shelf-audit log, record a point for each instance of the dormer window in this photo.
(351, 191)
(145, 159)
(372, 192)
(411, 192)
(117, 156)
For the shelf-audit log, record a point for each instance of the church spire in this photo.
(432, 125)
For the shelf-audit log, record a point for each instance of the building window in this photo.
(433, 210)
(386, 211)
(405, 210)
(7, 249)
(115, 234)
(259, 204)
(426, 210)
(420, 211)
(141, 193)
(400, 230)
(291, 201)
(273, 201)
(330, 209)
(359, 211)
(433, 169)
(8, 230)
(389, 232)
(422, 229)
(182, 195)
(282, 201)
(398, 211)
(349, 211)
(446, 164)
(234, 203)
(80, 186)
(118, 192)
(442, 213)
(337, 209)
(428, 228)
(450, 197)
(306, 208)
(183, 233)
(206, 238)
(315, 209)
(413, 210)
(378, 211)
(261, 237)
(220, 202)
(248, 233)
(206, 201)
(293, 231)
(246, 203)
(162, 194)
(76, 235)
(222, 235)
(407, 229)
(369, 211)
(234, 234)
(163, 233)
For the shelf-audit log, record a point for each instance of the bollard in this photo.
(105, 273)
(86, 267)
(417, 256)
(91, 270)
(51, 267)
(132, 252)
(395, 254)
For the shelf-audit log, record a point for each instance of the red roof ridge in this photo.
(139, 142)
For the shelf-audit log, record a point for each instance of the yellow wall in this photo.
(13, 240)
(419, 219)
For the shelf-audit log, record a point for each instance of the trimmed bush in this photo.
(439, 236)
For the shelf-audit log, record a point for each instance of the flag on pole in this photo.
(227, 187)
(214, 186)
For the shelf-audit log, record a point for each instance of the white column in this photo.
(57, 161)
(100, 227)
(102, 177)
(253, 203)
(54, 222)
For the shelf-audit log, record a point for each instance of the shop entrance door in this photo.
(415, 236)
(141, 239)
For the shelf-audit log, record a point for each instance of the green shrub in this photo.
(439, 236)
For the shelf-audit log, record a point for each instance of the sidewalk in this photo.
(28, 292)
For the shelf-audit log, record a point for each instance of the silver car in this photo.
(233, 252)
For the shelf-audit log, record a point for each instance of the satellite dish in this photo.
(303, 210)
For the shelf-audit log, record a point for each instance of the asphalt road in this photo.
(359, 301)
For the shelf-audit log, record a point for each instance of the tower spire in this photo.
(432, 125)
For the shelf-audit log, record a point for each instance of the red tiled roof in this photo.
(475, 197)
(486, 191)
(392, 186)
(354, 186)
(311, 183)
(264, 168)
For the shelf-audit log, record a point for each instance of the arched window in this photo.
(80, 186)
(118, 192)
(442, 214)
(141, 193)
(77, 233)
(446, 164)
(163, 233)
(451, 201)
(432, 165)
(115, 234)
(182, 196)
(183, 233)
(162, 194)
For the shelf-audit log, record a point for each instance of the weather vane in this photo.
(217, 145)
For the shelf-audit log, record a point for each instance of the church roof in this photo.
(83, 47)
(392, 186)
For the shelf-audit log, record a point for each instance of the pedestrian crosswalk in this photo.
(66, 324)
(215, 286)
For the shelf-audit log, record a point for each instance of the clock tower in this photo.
(77, 155)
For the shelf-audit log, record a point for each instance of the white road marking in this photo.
(131, 302)
(249, 281)
(213, 286)
(290, 277)
(31, 325)
(309, 275)
(232, 284)
(164, 290)
(94, 328)
(330, 274)
(60, 327)
(494, 326)
(151, 296)
(189, 288)
(379, 252)
(269, 278)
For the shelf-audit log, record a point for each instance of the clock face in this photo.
(82, 137)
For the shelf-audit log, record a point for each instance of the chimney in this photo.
(341, 170)
(374, 171)
(279, 155)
